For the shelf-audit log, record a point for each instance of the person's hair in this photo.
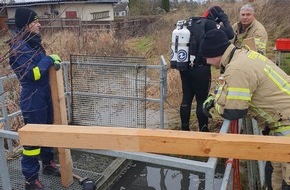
(248, 7)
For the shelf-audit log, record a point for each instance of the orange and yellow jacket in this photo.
(256, 30)
(252, 84)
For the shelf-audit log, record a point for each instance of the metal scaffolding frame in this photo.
(207, 167)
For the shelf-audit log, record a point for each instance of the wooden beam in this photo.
(250, 147)
(60, 117)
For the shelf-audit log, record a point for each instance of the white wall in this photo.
(83, 10)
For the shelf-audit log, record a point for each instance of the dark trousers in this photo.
(268, 175)
(30, 164)
(195, 83)
(36, 106)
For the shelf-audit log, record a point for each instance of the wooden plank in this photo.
(112, 173)
(250, 147)
(60, 117)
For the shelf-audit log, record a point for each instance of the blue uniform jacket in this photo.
(31, 67)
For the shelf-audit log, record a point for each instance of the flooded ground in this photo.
(146, 176)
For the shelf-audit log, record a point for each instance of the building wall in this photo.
(40, 10)
(83, 10)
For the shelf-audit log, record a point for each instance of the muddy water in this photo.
(145, 176)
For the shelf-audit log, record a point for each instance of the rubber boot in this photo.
(51, 169)
(35, 185)
(204, 129)
(185, 127)
(285, 186)
(268, 175)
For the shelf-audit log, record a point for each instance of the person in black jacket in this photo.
(196, 80)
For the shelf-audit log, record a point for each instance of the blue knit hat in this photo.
(24, 16)
(214, 43)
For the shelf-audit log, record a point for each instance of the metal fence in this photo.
(104, 90)
(108, 91)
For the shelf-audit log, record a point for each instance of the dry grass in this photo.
(277, 25)
(273, 15)
(66, 43)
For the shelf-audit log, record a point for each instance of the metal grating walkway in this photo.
(51, 182)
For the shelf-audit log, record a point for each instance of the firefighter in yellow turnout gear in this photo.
(252, 85)
(248, 27)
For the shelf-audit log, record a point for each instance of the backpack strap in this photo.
(197, 32)
(230, 58)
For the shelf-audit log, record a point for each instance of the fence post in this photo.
(67, 92)
(5, 115)
(163, 81)
(252, 165)
(4, 168)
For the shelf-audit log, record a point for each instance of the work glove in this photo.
(215, 13)
(266, 130)
(88, 184)
(223, 17)
(56, 60)
(207, 105)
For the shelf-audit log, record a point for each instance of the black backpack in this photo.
(196, 26)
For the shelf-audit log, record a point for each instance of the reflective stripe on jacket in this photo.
(281, 131)
(253, 82)
(256, 30)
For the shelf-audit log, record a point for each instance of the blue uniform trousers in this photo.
(36, 107)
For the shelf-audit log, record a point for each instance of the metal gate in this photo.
(111, 91)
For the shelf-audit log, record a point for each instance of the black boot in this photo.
(268, 175)
(185, 127)
(204, 129)
(285, 186)
(51, 169)
(35, 185)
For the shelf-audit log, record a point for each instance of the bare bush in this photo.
(66, 43)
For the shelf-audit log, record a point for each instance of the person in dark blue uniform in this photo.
(30, 63)
(196, 80)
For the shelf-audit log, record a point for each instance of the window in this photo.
(99, 15)
(70, 14)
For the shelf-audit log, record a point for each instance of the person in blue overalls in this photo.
(30, 63)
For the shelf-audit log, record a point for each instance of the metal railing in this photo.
(5, 117)
(5, 178)
(208, 167)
